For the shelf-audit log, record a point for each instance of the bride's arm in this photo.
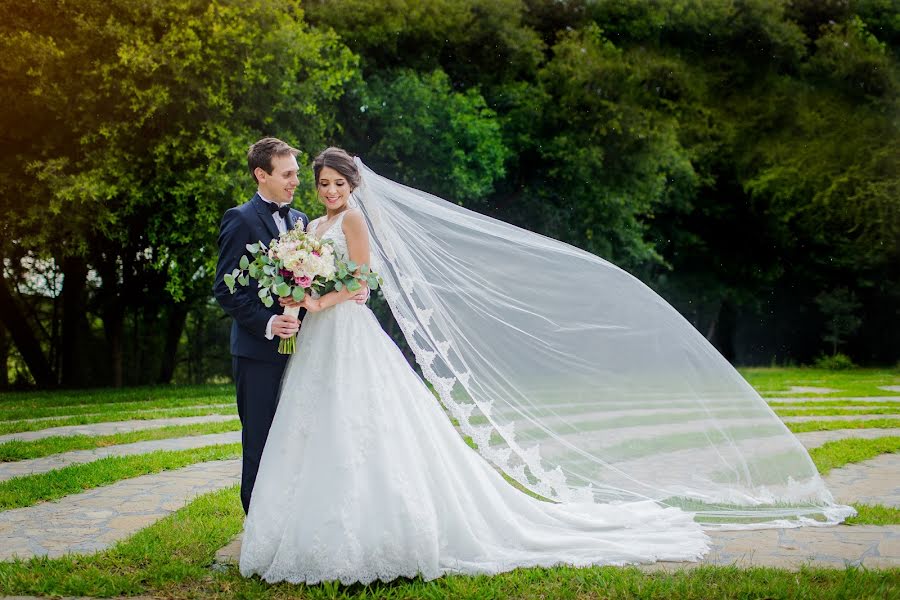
(354, 227)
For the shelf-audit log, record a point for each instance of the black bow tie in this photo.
(283, 210)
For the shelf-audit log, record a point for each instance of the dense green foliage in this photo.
(740, 156)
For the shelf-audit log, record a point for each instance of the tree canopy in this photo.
(740, 156)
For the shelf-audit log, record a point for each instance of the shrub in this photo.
(836, 362)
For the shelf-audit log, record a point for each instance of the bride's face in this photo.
(334, 189)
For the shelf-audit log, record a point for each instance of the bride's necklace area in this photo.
(326, 222)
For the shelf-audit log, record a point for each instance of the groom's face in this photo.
(279, 185)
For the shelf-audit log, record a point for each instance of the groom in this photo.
(256, 364)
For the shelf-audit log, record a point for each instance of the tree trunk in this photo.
(23, 336)
(113, 314)
(114, 331)
(74, 322)
(4, 358)
(175, 326)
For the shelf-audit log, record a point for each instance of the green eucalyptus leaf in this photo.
(338, 285)
(353, 285)
(245, 262)
(283, 289)
(243, 280)
(298, 294)
(268, 301)
(229, 281)
(263, 293)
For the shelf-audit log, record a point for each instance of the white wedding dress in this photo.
(364, 477)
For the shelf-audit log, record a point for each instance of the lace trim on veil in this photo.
(402, 221)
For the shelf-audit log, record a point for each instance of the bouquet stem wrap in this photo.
(288, 345)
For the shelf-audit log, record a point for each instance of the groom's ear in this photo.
(260, 174)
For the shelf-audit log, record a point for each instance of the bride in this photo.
(570, 377)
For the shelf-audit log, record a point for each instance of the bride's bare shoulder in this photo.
(353, 221)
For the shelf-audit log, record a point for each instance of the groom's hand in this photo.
(284, 326)
(288, 301)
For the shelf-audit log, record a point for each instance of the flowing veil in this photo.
(574, 378)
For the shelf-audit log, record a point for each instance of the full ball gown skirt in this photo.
(364, 477)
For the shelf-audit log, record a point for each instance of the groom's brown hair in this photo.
(261, 153)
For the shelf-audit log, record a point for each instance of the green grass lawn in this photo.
(874, 514)
(853, 382)
(40, 399)
(8, 413)
(836, 454)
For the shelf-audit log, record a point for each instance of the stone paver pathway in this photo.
(850, 401)
(875, 481)
(870, 546)
(97, 518)
(814, 439)
(800, 419)
(58, 461)
(112, 427)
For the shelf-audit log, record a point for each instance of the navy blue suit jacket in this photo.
(247, 224)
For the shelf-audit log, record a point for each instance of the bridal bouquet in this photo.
(296, 264)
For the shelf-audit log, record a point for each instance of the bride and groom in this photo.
(571, 378)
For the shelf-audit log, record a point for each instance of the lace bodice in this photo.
(334, 232)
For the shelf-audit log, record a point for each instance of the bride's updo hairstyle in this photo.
(339, 160)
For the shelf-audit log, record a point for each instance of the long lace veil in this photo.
(573, 377)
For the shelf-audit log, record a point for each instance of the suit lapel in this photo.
(265, 216)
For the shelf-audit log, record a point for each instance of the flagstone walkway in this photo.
(800, 419)
(97, 518)
(875, 481)
(814, 439)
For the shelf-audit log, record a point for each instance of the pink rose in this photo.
(303, 281)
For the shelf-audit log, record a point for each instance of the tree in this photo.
(153, 106)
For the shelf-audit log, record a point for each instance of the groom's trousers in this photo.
(257, 384)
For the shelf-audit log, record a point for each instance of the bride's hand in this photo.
(311, 304)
